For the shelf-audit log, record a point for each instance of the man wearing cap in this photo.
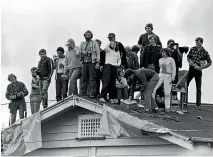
(16, 91)
(119, 47)
(73, 66)
(144, 40)
(198, 59)
(45, 71)
(89, 52)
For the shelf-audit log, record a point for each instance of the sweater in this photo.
(167, 66)
(72, 60)
(112, 57)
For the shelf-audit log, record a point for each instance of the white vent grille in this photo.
(88, 125)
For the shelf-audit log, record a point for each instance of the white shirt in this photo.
(112, 57)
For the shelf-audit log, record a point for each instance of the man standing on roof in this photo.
(73, 66)
(90, 56)
(16, 91)
(148, 80)
(198, 59)
(45, 71)
(144, 39)
(61, 79)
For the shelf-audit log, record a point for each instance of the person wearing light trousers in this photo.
(167, 76)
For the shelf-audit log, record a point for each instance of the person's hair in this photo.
(11, 75)
(128, 48)
(88, 31)
(167, 51)
(135, 48)
(199, 39)
(97, 40)
(170, 41)
(33, 69)
(153, 36)
(128, 72)
(61, 49)
(42, 51)
(149, 25)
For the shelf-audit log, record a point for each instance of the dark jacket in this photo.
(45, 68)
(142, 76)
(148, 55)
(133, 61)
(143, 40)
(177, 58)
(122, 51)
(13, 89)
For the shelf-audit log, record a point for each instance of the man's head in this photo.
(149, 28)
(12, 78)
(170, 43)
(152, 39)
(88, 35)
(129, 73)
(128, 50)
(42, 53)
(70, 44)
(111, 37)
(60, 52)
(199, 41)
(135, 49)
(99, 42)
(33, 71)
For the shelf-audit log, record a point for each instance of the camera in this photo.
(174, 44)
(184, 49)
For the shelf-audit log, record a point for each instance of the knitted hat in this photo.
(149, 25)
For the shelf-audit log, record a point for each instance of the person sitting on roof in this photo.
(148, 80)
(122, 86)
(16, 91)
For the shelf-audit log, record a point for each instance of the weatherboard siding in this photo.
(58, 136)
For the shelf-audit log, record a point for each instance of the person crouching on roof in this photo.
(16, 91)
(90, 55)
(167, 76)
(122, 86)
(148, 80)
(61, 79)
(45, 71)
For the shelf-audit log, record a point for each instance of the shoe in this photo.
(115, 101)
(155, 110)
(102, 100)
(91, 96)
(197, 107)
(45, 104)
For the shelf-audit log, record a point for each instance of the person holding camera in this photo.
(16, 91)
(90, 56)
(177, 56)
(45, 71)
(61, 79)
(198, 59)
(35, 96)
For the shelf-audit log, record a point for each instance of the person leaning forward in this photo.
(16, 91)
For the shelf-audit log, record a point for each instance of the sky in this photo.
(30, 25)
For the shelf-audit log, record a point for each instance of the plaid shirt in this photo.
(199, 55)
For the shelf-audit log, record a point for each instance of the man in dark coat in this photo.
(16, 91)
(144, 39)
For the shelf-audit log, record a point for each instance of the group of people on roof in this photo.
(117, 67)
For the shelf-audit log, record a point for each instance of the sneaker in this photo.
(197, 107)
(102, 100)
(45, 104)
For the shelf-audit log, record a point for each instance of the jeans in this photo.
(35, 101)
(88, 75)
(109, 82)
(166, 80)
(44, 85)
(21, 114)
(122, 93)
(193, 73)
(61, 87)
(74, 75)
(148, 99)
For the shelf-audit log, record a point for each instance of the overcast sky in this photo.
(29, 25)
